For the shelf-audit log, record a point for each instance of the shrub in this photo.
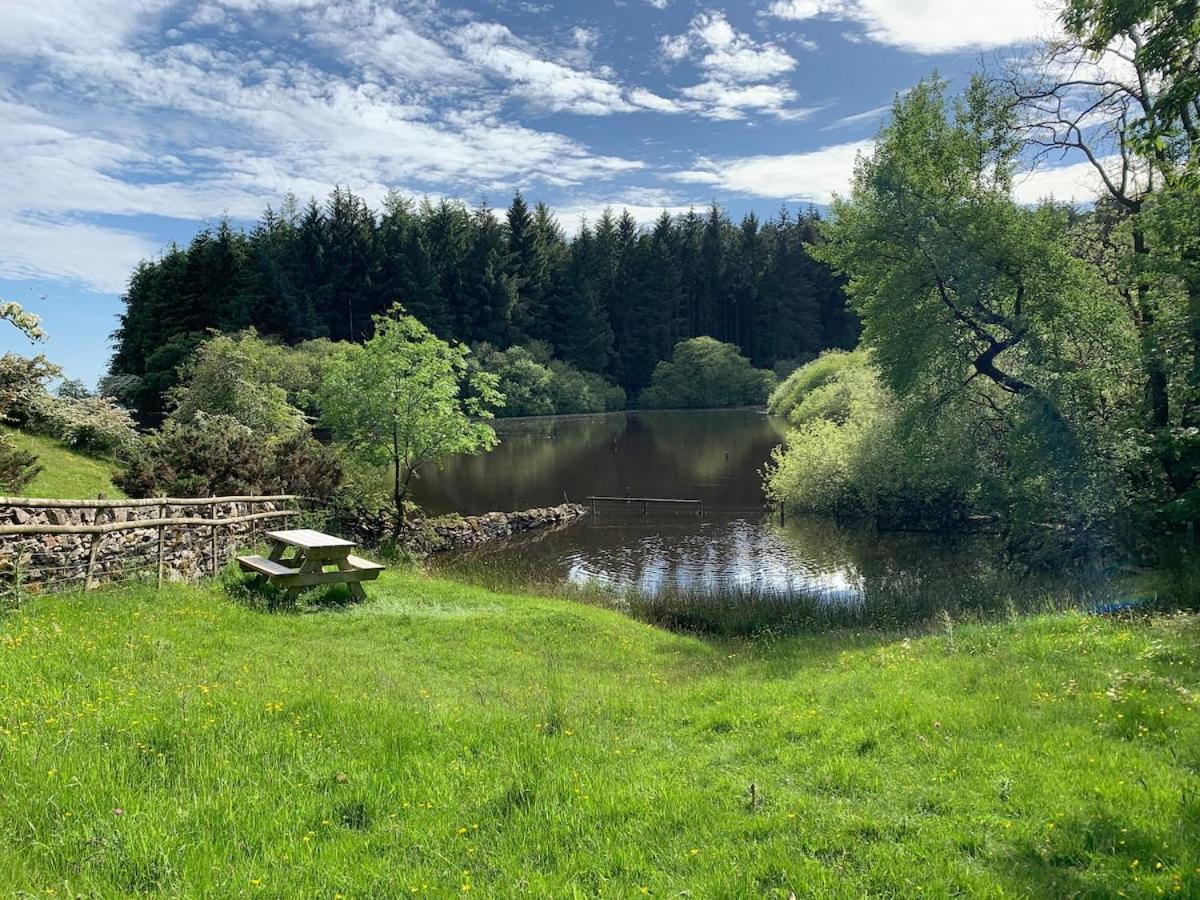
(218, 455)
(703, 372)
(247, 379)
(533, 384)
(18, 467)
(850, 454)
(94, 425)
(23, 383)
(575, 391)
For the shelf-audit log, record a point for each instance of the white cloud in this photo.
(722, 100)
(930, 26)
(870, 115)
(98, 258)
(643, 204)
(545, 83)
(741, 74)
(726, 53)
(813, 177)
(190, 127)
(659, 4)
(1073, 183)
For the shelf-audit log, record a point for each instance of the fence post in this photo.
(213, 508)
(162, 514)
(90, 578)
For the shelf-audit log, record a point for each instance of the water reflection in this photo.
(736, 553)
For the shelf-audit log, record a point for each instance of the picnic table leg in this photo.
(307, 565)
(356, 588)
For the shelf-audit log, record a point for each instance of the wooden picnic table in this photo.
(300, 557)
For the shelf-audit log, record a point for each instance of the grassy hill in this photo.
(66, 474)
(440, 740)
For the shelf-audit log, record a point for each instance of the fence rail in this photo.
(97, 530)
(138, 524)
(646, 501)
(104, 503)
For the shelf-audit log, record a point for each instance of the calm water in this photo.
(737, 545)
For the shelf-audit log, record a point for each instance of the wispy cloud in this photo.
(812, 177)
(862, 118)
(929, 26)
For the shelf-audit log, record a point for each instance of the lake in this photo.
(737, 548)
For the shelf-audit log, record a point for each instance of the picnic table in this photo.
(300, 557)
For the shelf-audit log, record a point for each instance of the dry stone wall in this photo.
(61, 560)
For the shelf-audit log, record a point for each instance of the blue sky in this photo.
(129, 123)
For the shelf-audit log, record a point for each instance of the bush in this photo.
(23, 383)
(533, 384)
(95, 425)
(575, 391)
(850, 455)
(262, 385)
(18, 467)
(703, 372)
(218, 455)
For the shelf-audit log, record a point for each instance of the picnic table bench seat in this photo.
(264, 566)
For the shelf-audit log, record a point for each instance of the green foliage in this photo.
(18, 466)
(219, 455)
(533, 384)
(987, 330)
(808, 384)
(249, 380)
(98, 426)
(850, 454)
(407, 399)
(614, 299)
(181, 744)
(703, 372)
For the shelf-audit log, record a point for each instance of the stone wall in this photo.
(56, 561)
(463, 532)
(61, 560)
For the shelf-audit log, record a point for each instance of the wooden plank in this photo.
(52, 503)
(134, 525)
(313, 579)
(264, 566)
(643, 500)
(308, 539)
(364, 565)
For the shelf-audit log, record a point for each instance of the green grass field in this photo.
(440, 740)
(65, 473)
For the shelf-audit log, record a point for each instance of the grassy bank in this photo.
(65, 473)
(441, 740)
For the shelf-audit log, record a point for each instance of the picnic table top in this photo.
(307, 539)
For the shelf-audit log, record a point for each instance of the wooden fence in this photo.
(102, 517)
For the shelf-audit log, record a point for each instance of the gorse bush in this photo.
(703, 372)
(218, 455)
(18, 467)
